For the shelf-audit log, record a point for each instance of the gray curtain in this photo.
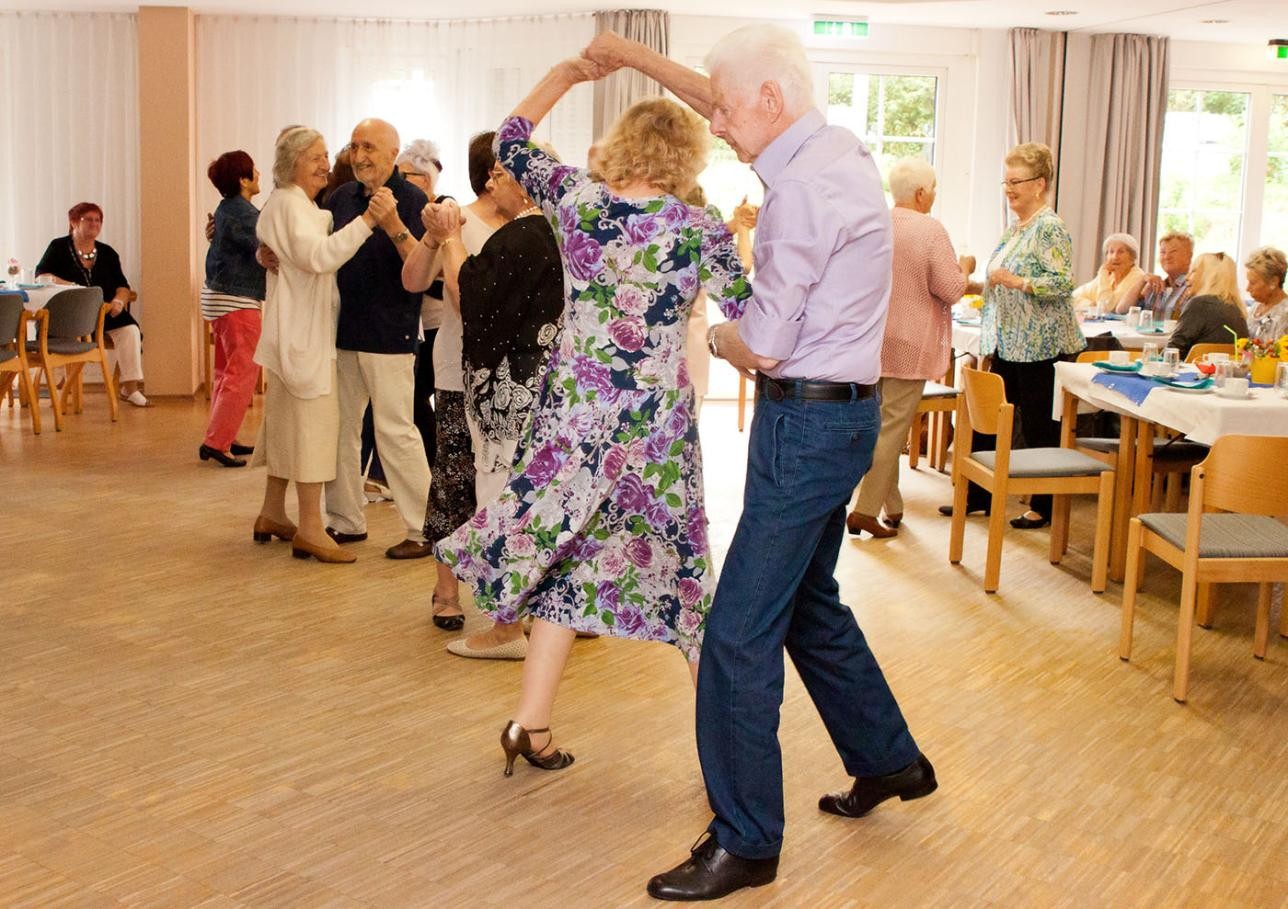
(1037, 88)
(623, 88)
(1115, 102)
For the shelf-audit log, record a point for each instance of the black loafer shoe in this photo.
(912, 782)
(711, 872)
(1024, 522)
(341, 537)
(239, 449)
(206, 453)
(947, 510)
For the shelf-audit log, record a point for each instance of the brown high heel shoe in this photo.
(303, 549)
(515, 741)
(265, 529)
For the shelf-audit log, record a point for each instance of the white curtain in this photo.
(438, 80)
(1037, 88)
(69, 131)
(621, 89)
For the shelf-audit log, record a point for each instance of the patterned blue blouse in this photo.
(1025, 327)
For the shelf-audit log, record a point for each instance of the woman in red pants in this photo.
(230, 301)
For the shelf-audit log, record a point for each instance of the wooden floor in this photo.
(187, 719)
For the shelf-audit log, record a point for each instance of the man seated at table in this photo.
(1164, 296)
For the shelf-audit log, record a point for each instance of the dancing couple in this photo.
(601, 527)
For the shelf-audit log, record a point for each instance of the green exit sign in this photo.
(840, 28)
(1281, 52)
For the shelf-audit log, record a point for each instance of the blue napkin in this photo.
(14, 291)
(1133, 387)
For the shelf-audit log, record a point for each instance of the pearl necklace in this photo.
(89, 256)
(530, 210)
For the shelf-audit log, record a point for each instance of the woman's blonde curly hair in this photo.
(657, 142)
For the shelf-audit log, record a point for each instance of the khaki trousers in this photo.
(387, 382)
(880, 486)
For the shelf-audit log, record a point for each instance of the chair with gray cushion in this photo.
(13, 356)
(1061, 472)
(70, 334)
(938, 401)
(1229, 534)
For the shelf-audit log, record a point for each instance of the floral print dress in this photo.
(602, 526)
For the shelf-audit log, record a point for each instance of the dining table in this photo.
(1198, 415)
(966, 334)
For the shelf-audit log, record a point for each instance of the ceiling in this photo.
(1247, 21)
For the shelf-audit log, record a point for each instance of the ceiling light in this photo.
(1214, 21)
(1062, 12)
(1277, 49)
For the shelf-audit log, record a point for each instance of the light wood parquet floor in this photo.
(187, 719)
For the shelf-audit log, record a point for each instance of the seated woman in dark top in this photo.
(1215, 309)
(79, 258)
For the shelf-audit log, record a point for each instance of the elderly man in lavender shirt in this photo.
(813, 331)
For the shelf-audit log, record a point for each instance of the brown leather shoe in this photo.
(303, 549)
(265, 529)
(858, 523)
(410, 549)
(341, 537)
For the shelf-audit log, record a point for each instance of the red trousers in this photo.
(236, 372)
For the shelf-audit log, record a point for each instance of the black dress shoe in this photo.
(206, 453)
(947, 510)
(1024, 522)
(711, 872)
(341, 537)
(912, 782)
(239, 449)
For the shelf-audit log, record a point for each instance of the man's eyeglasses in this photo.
(1014, 183)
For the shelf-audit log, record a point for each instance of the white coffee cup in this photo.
(1119, 357)
(1217, 357)
(1234, 388)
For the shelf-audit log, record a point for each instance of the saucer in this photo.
(1222, 393)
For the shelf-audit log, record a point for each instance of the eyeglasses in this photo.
(1014, 183)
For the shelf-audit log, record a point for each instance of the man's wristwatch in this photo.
(711, 341)
(400, 236)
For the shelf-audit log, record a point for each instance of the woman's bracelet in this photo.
(449, 240)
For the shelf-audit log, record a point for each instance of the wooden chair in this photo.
(1243, 477)
(1170, 457)
(1199, 351)
(1061, 472)
(13, 356)
(938, 401)
(70, 334)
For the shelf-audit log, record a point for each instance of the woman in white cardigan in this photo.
(297, 344)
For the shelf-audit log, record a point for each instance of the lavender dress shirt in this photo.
(823, 252)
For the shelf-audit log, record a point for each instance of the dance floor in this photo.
(188, 719)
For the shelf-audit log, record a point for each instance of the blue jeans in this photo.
(777, 589)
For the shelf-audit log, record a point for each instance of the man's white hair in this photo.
(907, 175)
(755, 54)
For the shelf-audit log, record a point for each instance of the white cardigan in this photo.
(297, 341)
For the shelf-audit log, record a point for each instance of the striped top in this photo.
(215, 304)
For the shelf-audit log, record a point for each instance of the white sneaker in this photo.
(135, 397)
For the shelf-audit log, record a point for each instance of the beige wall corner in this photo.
(169, 287)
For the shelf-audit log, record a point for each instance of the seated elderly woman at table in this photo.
(927, 280)
(1268, 320)
(1119, 280)
(1215, 313)
(79, 258)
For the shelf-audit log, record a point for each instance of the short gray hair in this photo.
(1268, 262)
(755, 54)
(422, 155)
(292, 143)
(1122, 240)
(907, 175)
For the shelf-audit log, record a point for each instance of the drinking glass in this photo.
(1281, 379)
(1133, 317)
(1224, 370)
(1171, 359)
(1146, 322)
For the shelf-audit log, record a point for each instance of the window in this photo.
(1205, 138)
(1274, 212)
(894, 114)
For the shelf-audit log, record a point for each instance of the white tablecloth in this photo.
(38, 297)
(966, 335)
(1201, 417)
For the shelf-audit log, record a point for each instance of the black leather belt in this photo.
(805, 390)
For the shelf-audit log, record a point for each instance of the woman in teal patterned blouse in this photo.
(1028, 321)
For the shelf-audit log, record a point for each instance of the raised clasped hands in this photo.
(383, 209)
(582, 69)
(442, 220)
(610, 51)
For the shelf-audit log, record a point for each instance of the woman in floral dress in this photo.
(602, 526)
